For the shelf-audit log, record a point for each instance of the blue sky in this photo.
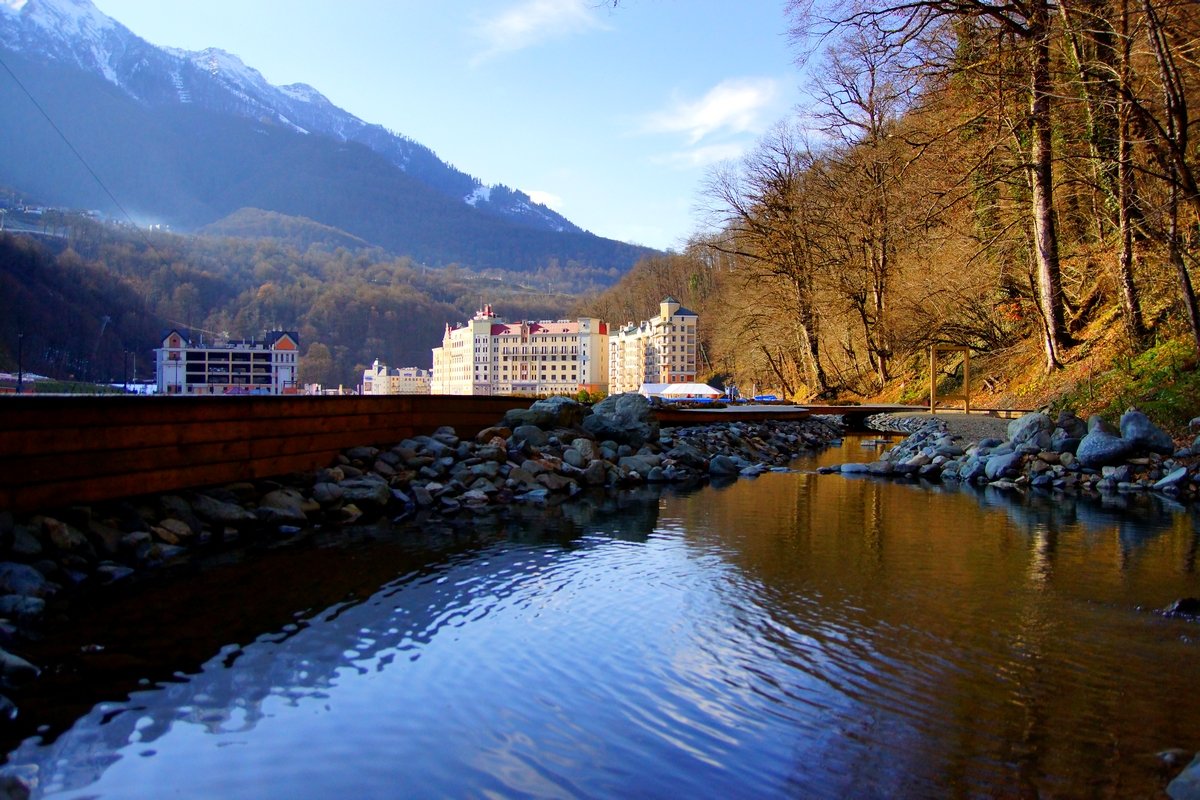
(610, 116)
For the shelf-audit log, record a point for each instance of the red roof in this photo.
(535, 328)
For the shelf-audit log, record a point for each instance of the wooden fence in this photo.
(58, 451)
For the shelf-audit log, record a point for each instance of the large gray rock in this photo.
(23, 579)
(639, 464)
(1186, 785)
(623, 418)
(219, 512)
(15, 671)
(366, 492)
(1172, 480)
(530, 433)
(1101, 448)
(1143, 435)
(723, 465)
(1028, 427)
(24, 610)
(564, 412)
(284, 505)
(516, 417)
(1006, 465)
(1071, 425)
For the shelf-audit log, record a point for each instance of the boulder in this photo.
(1172, 479)
(564, 412)
(1186, 785)
(1006, 465)
(1144, 435)
(23, 579)
(327, 494)
(366, 492)
(284, 505)
(623, 418)
(1101, 447)
(530, 433)
(1029, 427)
(595, 474)
(495, 432)
(220, 512)
(723, 465)
(1070, 424)
(537, 417)
(639, 464)
(66, 538)
(16, 671)
(22, 610)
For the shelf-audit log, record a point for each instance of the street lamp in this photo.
(126, 373)
(20, 361)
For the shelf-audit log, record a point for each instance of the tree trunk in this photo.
(1049, 280)
(1186, 290)
(810, 339)
(1131, 307)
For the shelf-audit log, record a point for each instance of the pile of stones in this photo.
(1062, 454)
(545, 454)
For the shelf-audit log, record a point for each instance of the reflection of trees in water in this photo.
(303, 660)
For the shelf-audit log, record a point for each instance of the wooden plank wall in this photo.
(57, 451)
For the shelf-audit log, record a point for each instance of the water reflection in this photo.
(794, 634)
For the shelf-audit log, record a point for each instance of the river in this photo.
(793, 635)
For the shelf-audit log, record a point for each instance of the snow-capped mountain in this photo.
(75, 33)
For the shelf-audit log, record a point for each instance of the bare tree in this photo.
(762, 207)
(1027, 22)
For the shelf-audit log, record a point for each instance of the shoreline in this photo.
(1034, 452)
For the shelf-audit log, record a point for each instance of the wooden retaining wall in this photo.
(57, 451)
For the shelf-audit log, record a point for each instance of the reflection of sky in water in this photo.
(792, 635)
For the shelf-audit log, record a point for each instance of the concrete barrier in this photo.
(58, 451)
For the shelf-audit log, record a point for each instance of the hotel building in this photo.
(659, 350)
(489, 356)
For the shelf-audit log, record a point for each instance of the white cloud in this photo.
(546, 198)
(703, 156)
(733, 106)
(532, 22)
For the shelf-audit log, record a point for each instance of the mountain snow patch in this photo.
(483, 193)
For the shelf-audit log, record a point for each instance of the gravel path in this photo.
(970, 427)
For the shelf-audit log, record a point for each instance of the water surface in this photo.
(794, 635)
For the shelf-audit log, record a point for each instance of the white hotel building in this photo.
(489, 356)
(660, 350)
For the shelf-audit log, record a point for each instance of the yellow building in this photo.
(489, 356)
(659, 350)
(403, 380)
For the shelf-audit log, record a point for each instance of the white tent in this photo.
(652, 389)
(678, 390)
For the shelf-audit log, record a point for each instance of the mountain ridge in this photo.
(163, 87)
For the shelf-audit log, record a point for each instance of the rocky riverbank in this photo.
(544, 454)
(1043, 454)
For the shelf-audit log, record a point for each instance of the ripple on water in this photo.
(797, 635)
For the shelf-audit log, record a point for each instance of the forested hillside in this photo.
(83, 300)
(1016, 178)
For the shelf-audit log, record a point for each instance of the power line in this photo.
(79, 156)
